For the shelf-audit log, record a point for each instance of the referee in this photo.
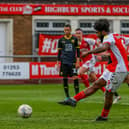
(69, 58)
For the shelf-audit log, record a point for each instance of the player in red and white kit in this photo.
(114, 74)
(88, 63)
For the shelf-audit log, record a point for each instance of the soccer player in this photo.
(116, 95)
(69, 57)
(114, 74)
(125, 41)
(88, 62)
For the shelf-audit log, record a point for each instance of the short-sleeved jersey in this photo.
(68, 49)
(125, 40)
(117, 52)
(87, 44)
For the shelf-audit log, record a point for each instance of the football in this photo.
(25, 111)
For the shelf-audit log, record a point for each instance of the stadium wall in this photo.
(23, 36)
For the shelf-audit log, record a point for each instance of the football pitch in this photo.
(47, 114)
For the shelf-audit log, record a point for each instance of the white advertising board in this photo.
(14, 71)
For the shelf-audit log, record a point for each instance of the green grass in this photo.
(47, 114)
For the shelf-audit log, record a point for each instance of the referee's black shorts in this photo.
(67, 70)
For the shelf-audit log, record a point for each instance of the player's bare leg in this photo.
(93, 78)
(107, 106)
(91, 90)
(92, 75)
(85, 93)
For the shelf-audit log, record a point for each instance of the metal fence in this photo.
(29, 56)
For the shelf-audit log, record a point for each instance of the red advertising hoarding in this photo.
(49, 70)
(49, 9)
(48, 44)
(43, 70)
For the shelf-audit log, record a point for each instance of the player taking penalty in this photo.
(114, 74)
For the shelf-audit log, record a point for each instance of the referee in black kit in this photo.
(69, 58)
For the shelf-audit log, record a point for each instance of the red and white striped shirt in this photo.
(87, 44)
(118, 53)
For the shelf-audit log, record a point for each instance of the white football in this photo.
(25, 110)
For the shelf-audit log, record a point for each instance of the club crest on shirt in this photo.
(73, 41)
